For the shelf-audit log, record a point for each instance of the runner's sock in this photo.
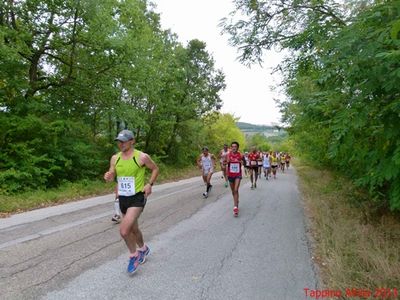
(116, 207)
(136, 254)
(142, 248)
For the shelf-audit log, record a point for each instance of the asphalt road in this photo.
(198, 249)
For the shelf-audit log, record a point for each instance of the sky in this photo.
(248, 95)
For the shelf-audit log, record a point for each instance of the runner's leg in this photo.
(223, 169)
(205, 194)
(209, 181)
(236, 192)
(129, 229)
(255, 176)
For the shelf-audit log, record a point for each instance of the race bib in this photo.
(234, 168)
(126, 186)
(253, 162)
(206, 164)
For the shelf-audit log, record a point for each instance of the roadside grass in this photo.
(169, 174)
(43, 198)
(69, 192)
(356, 246)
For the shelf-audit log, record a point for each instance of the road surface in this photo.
(199, 250)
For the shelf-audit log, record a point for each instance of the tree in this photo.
(341, 82)
(196, 89)
(259, 141)
(77, 72)
(221, 129)
(256, 26)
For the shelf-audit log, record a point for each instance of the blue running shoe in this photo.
(133, 264)
(143, 254)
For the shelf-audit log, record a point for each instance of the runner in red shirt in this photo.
(254, 156)
(234, 171)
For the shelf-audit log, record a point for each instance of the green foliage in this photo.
(39, 154)
(353, 104)
(283, 144)
(221, 129)
(256, 26)
(342, 82)
(74, 73)
(259, 141)
(185, 147)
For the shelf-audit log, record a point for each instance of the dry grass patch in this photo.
(356, 247)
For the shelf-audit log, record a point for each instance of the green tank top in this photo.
(130, 168)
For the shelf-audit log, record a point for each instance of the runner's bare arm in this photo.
(198, 161)
(214, 161)
(150, 164)
(110, 174)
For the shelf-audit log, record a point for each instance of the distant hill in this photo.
(252, 127)
(267, 130)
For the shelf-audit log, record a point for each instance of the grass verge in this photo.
(79, 190)
(355, 245)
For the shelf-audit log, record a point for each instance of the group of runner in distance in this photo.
(231, 162)
(128, 166)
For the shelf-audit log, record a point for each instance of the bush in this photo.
(39, 154)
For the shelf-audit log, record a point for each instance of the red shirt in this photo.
(253, 157)
(234, 164)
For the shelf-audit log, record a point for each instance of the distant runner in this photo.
(246, 163)
(253, 158)
(287, 160)
(274, 163)
(281, 159)
(260, 163)
(266, 165)
(234, 171)
(222, 162)
(206, 162)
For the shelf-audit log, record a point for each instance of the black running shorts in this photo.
(232, 179)
(137, 200)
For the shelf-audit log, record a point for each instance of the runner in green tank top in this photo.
(128, 166)
(125, 167)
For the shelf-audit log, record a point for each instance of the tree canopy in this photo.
(74, 73)
(341, 80)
